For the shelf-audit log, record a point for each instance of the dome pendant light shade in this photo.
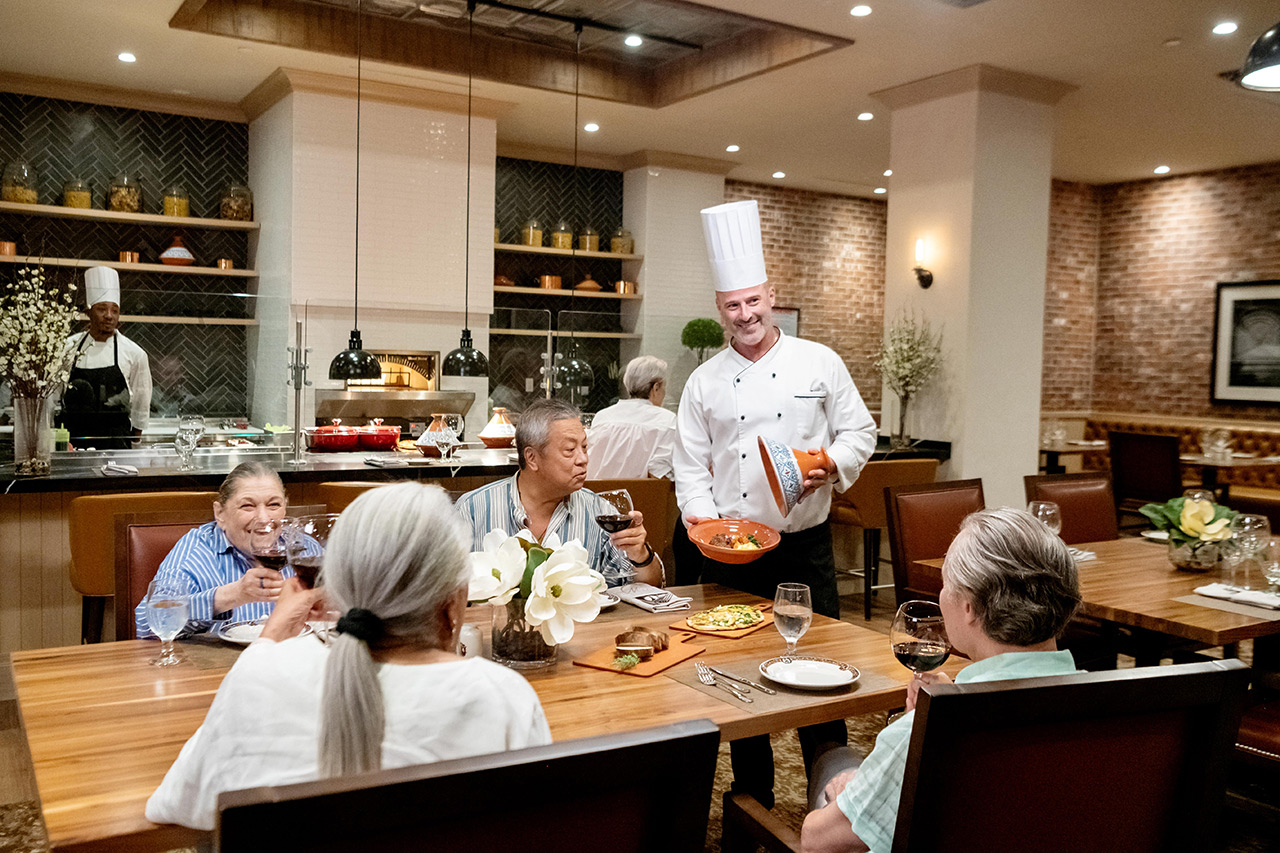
(466, 360)
(354, 363)
(1261, 70)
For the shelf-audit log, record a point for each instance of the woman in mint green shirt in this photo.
(1009, 588)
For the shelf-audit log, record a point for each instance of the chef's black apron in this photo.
(86, 414)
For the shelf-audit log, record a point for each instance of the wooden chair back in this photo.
(655, 498)
(862, 505)
(636, 791)
(1085, 500)
(923, 519)
(1131, 760)
(1144, 467)
(339, 495)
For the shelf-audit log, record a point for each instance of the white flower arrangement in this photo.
(35, 320)
(909, 356)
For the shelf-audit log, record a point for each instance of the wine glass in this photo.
(168, 608)
(619, 500)
(190, 430)
(267, 541)
(1199, 495)
(305, 541)
(919, 637)
(792, 613)
(1048, 514)
(1251, 532)
(447, 439)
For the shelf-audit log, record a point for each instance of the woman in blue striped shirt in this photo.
(217, 560)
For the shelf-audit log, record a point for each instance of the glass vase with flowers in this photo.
(908, 358)
(1197, 527)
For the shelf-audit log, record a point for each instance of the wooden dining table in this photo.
(103, 725)
(1133, 583)
(1210, 466)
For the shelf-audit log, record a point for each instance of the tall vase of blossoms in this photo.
(35, 319)
(909, 356)
(538, 591)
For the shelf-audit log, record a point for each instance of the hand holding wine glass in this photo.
(1048, 514)
(168, 608)
(792, 613)
(919, 636)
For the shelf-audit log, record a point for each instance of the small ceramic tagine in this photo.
(588, 284)
(787, 469)
(177, 254)
(500, 431)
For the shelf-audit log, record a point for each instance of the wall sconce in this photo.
(923, 276)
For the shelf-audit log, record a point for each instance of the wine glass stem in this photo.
(166, 649)
(791, 647)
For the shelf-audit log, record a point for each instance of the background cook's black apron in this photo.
(86, 414)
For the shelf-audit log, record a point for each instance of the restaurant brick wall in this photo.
(1164, 245)
(825, 256)
(1071, 290)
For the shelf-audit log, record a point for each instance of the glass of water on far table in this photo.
(168, 608)
(1048, 514)
(792, 613)
(190, 431)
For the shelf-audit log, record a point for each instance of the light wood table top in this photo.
(103, 725)
(1133, 583)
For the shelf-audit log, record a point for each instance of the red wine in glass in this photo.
(614, 523)
(921, 656)
(307, 569)
(619, 501)
(918, 636)
(275, 560)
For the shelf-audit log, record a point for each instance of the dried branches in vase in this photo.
(908, 358)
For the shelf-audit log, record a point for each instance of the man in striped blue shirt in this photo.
(547, 496)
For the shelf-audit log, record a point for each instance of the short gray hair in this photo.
(533, 429)
(643, 375)
(1019, 576)
(400, 552)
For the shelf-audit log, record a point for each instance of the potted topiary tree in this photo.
(701, 335)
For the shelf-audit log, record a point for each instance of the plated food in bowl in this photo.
(733, 540)
(726, 617)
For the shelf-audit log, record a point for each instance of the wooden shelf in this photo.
(58, 212)
(517, 248)
(579, 294)
(118, 265)
(534, 333)
(183, 321)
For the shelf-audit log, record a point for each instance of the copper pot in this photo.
(130, 257)
(7, 248)
(549, 282)
(624, 286)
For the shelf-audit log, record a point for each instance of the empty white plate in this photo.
(608, 600)
(242, 633)
(1156, 535)
(805, 672)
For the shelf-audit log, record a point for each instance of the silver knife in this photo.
(729, 688)
(745, 681)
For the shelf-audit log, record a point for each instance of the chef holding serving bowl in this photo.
(789, 390)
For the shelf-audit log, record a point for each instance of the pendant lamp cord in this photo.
(577, 201)
(355, 319)
(466, 225)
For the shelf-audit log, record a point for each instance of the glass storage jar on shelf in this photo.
(76, 193)
(588, 240)
(562, 237)
(531, 233)
(125, 194)
(236, 203)
(176, 201)
(621, 242)
(19, 183)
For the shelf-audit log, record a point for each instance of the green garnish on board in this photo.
(626, 661)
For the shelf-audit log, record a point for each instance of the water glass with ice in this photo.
(168, 608)
(792, 613)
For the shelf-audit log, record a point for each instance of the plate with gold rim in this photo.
(806, 672)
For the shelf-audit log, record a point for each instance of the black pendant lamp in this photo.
(1261, 69)
(353, 362)
(466, 360)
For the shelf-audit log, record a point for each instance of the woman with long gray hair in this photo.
(387, 690)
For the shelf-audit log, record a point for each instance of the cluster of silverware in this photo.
(729, 682)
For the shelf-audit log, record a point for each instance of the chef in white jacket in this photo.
(792, 390)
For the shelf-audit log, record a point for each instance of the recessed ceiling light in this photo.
(860, 11)
(880, 190)
(779, 174)
(1225, 28)
(888, 172)
(865, 116)
(1161, 170)
(633, 41)
(591, 127)
(127, 57)
(1173, 42)
(732, 149)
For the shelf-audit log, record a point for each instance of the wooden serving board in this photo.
(738, 633)
(678, 651)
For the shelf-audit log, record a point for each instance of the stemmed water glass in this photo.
(792, 613)
(919, 636)
(168, 608)
(190, 430)
(619, 500)
(447, 439)
(1048, 514)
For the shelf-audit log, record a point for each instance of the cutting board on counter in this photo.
(764, 607)
(677, 652)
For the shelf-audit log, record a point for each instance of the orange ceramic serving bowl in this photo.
(701, 534)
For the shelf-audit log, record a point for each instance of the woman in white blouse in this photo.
(386, 691)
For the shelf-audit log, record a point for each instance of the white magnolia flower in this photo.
(563, 591)
(496, 571)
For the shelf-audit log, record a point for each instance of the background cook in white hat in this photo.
(108, 396)
(765, 383)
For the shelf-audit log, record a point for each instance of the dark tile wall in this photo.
(204, 365)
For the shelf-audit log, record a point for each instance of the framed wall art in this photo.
(788, 320)
(1246, 343)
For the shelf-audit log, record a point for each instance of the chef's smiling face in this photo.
(747, 313)
(103, 320)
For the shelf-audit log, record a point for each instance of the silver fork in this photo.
(707, 677)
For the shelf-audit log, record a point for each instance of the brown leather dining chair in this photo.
(1085, 501)
(862, 506)
(633, 792)
(923, 519)
(1144, 468)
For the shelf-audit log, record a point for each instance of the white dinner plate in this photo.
(241, 633)
(805, 672)
(608, 601)
(1156, 535)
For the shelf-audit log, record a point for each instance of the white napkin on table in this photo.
(386, 462)
(651, 598)
(1227, 592)
(1081, 556)
(118, 469)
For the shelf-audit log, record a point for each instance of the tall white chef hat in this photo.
(101, 284)
(733, 245)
